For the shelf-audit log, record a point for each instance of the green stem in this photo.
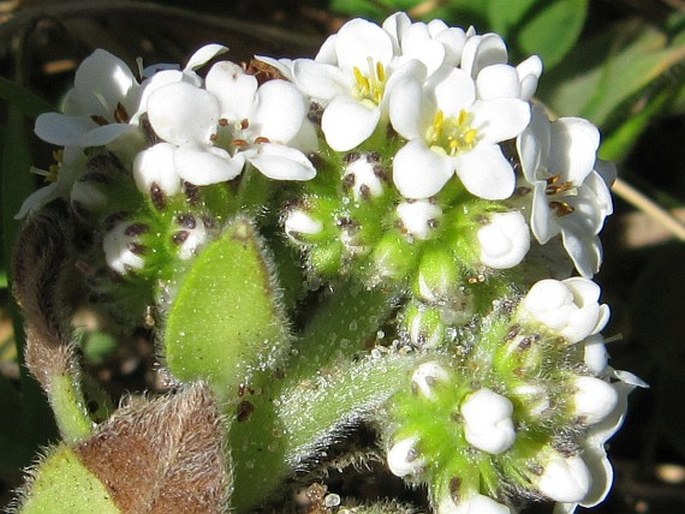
(325, 389)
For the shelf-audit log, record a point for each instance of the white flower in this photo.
(232, 121)
(504, 241)
(403, 458)
(488, 423)
(594, 399)
(418, 218)
(570, 187)
(474, 504)
(352, 76)
(71, 166)
(450, 130)
(565, 479)
(98, 108)
(569, 307)
(481, 51)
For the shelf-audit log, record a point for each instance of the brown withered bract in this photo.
(163, 455)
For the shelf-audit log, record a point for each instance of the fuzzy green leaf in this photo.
(225, 320)
(63, 485)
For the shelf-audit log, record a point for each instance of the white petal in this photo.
(234, 88)
(155, 165)
(453, 39)
(476, 504)
(181, 113)
(298, 222)
(498, 81)
(203, 55)
(407, 107)
(326, 53)
(542, 219)
(281, 162)
(595, 355)
(533, 143)
(573, 148)
(584, 249)
(500, 119)
(360, 40)
(100, 136)
(417, 44)
(202, 167)
(62, 130)
(395, 25)
(419, 172)
(279, 111)
(454, 91)
(485, 172)
(101, 81)
(320, 81)
(36, 200)
(529, 72)
(347, 123)
(482, 51)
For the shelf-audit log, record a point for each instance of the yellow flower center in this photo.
(452, 134)
(370, 87)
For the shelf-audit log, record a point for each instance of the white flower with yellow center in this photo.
(352, 76)
(450, 130)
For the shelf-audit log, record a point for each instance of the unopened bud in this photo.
(403, 458)
(594, 399)
(504, 241)
(488, 423)
(426, 376)
(419, 218)
(565, 480)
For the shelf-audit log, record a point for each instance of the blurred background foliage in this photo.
(619, 63)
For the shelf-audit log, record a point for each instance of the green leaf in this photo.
(225, 320)
(63, 485)
(604, 72)
(29, 103)
(550, 29)
(505, 14)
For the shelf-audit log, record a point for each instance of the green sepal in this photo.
(225, 320)
(63, 485)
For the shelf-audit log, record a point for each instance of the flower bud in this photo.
(569, 307)
(418, 218)
(487, 416)
(437, 278)
(403, 458)
(504, 241)
(155, 167)
(565, 480)
(364, 175)
(476, 504)
(594, 399)
(298, 223)
(122, 250)
(425, 377)
(392, 256)
(191, 235)
(424, 325)
(595, 354)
